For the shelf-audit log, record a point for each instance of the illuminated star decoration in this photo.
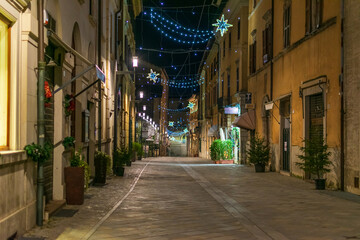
(222, 25)
(171, 124)
(152, 75)
(172, 139)
(191, 105)
(186, 130)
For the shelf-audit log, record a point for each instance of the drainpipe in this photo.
(99, 83)
(272, 51)
(342, 143)
(41, 112)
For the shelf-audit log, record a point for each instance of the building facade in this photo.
(351, 83)
(72, 48)
(224, 82)
(294, 67)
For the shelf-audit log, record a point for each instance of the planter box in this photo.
(224, 162)
(74, 180)
(119, 171)
(259, 168)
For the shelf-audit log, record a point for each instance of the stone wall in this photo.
(351, 94)
(18, 193)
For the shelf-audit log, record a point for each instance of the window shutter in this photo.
(319, 7)
(264, 41)
(269, 42)
(250, 58)
(308, 16)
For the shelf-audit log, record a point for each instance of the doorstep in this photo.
(53, 206)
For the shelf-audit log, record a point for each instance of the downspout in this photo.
(41, 112)
(115, 141)
(342, 143)
(272, 51)
(99, 64)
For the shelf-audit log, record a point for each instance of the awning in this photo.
(213, 131)
(246, 120)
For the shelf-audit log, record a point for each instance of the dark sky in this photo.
(181, 60)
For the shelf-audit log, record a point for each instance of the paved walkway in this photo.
(190, 198)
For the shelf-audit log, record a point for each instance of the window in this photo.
(287, 16)
(313, 13)
(4, 84)
(252, 58)
(91, 7)
(228, 85)
(224, 48)
(237, 79)
(254, 3)
(238, 30)
(267, 44)
(229, 41)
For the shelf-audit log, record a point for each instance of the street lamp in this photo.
(141, 94)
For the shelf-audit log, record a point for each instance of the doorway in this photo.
(285, 126)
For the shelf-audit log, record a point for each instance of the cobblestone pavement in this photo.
(190, 198)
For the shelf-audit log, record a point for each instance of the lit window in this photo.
(4, 84)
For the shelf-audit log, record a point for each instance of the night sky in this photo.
(180, 60)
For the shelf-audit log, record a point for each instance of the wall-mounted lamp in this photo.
(135, 61)
(141, 94)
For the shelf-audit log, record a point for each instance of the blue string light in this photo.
(177, 32)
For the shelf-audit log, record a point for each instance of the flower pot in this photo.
(74, 180)
(128, 163)
(320, 184)
(119, 171)
(259, 167)
(139, 157)
(224, 162)
(100, 170)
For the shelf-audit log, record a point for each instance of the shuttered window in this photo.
(252, 58)
(238, 30)
(229, 41)
(287, 17)
(313, 12)
(4, 84)
(267, 44)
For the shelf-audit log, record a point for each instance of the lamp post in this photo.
(135, 62)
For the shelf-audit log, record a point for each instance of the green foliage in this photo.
(101, 156)
(259, 152)
(68, 142)
(315, 157)
(215, 150)
(221, 150)
(78, 161)
(227, 150)
(137, 147)
(121, 157)
(37, 152)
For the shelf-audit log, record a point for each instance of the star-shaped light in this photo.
(172, 139)
(191, 105)
(186, 130)
(171, 124)
(222, 25)
(152, 75)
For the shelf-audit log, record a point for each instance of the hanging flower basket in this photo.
(48, 94)
(69, 104)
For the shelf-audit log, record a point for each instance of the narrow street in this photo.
(190, 198)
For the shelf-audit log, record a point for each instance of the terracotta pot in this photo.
(74, 180)
(224, 162)
(320, 184)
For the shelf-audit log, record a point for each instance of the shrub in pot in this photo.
(119, 162)
(137, 150)
(76, 179)
(315, 160)
(227, 150)
(101, 163)
(259, 153)
(215, 150)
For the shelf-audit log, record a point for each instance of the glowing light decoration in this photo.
(191, 105)
(171, 124)
(185, 130)
(177, 32)
(222, 25)
(152, 75)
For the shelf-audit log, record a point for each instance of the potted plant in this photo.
(315, 160)
(119, 162)
(226, 148)
(137, 150)
(37, 152)
(101, 161)
(215, 150)
(77, 175)
(259, 153)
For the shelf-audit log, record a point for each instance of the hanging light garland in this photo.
(177, 32)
